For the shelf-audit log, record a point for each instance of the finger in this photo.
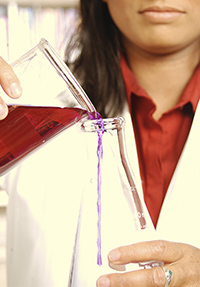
(147, 251)
(179, 276)
(3, 109)
(143, 278)
(9, 81)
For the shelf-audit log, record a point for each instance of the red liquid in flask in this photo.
(27, 127)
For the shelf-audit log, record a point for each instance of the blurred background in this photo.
(22, 24)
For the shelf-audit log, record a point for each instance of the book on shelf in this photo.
(3, 33)
(21, 28)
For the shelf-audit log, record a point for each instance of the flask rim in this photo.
(104, 125)
(63, 70)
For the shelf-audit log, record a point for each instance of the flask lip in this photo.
(103, 124)
(63, 70)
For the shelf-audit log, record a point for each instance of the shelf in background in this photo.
(22, 27)
(45, 3)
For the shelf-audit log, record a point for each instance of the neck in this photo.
(164, 77)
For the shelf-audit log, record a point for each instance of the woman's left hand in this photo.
(181, 259)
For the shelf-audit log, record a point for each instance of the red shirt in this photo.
(159, 143)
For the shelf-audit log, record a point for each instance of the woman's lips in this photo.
(161, 14)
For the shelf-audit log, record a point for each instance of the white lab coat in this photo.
(45, 194)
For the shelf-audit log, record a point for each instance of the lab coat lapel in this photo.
(180, 212)
(179, 217)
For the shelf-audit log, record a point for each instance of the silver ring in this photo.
(168, 275)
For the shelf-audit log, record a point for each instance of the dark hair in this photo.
(97, 65)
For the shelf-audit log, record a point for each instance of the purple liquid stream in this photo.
(99, 155)
(100, 132)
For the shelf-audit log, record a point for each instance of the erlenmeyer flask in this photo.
(52, 100)
(112, 212)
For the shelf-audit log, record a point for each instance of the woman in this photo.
(157, 44)
(146, 53)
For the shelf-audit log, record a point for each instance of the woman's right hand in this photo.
(10, 84)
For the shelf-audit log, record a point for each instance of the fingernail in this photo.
(103, 282)
(15, 90)
(114, 255)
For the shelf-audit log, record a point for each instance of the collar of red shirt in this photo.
(191, 93)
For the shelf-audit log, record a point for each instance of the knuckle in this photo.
(5, 68)
(158, 277)
(6, 71)
(117, 279)
(160, 247)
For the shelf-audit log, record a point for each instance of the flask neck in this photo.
(116, 125)
(103, 125)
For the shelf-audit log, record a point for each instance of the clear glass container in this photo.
(52, 101)
(113, 212)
